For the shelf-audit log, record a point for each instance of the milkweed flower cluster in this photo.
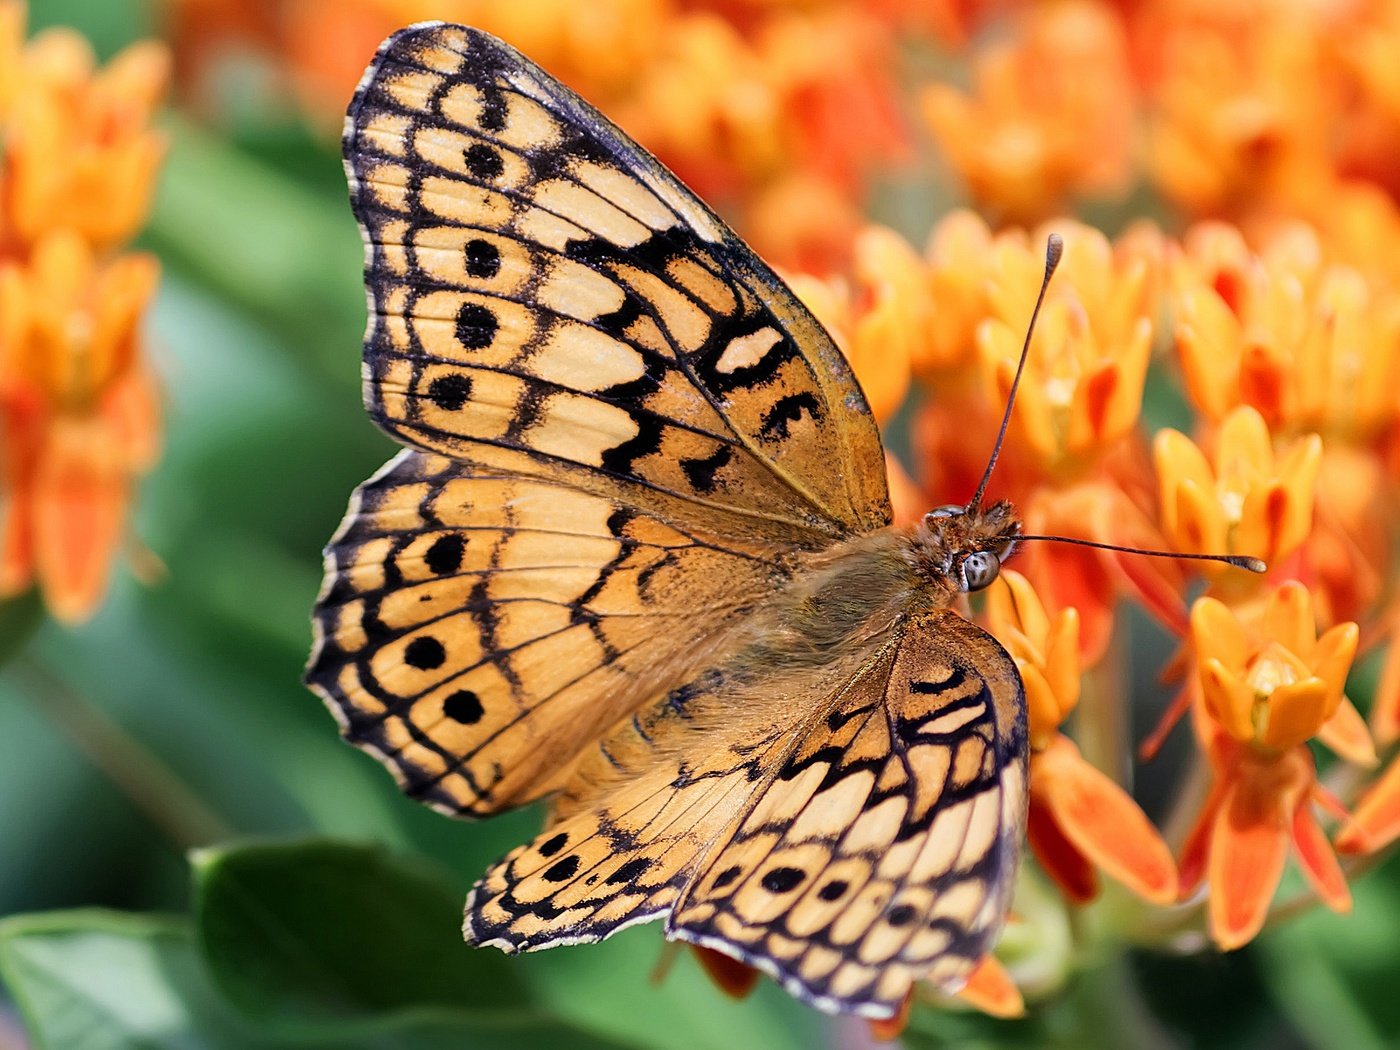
(78, 403)
(1268, 315)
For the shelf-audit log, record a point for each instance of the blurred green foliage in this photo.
(302, 937)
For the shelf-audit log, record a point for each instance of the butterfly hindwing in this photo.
(884, 848)
(547, 299)
(478, 629)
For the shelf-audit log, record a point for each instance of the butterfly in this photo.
(637, 559)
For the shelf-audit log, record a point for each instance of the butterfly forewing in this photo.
(546, 298)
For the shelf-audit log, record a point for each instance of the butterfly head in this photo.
(966, 546)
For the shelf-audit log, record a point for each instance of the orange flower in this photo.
(1247, 501)
(1081, 392)
(1240, 113)
(1049, 115)
(1267, 690)
(1310, 346)
(1258, 807)
(79, 417)
(79, 152)
(1271, 682)
(871, 321)
(1080, 820)
(788, 122)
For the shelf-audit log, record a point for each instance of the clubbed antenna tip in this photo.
(1054, 248)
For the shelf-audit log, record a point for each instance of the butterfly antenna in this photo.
(1239, 561)
(1054, 248)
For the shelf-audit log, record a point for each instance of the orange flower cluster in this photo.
(780, 113)
(1255, 112)
(78, 411)
(1285, 356)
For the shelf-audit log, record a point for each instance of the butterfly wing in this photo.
(546, 298)
(848, 857)
(549, 305)
(884, 849)
(646, 804)
(476, 627)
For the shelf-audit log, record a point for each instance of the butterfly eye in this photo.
(979, 569)
(948, 510)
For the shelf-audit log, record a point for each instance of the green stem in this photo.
(147, 781)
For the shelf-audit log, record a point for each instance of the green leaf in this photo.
(94, 980)
(99, 980)
(320, 931)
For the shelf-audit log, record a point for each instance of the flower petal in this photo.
(1375, 823)
(1332, 656)
(1229, 700)
(1317, 860)
(1103, 823)
(991, 989)
(1043, 714)
(1293, 714)
(1249, 844)
(80, 500)
(1288, 619)
(1346, 734)
(1216, 633)
(1062, 862)
(731, 976)
(1195, 851)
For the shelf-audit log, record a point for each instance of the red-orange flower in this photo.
(1049, 116)
(1080, 822)
(1248, 501)
(79, 152)
(79, 414)
(870, 315)
(1266, 690)
(1311, 346)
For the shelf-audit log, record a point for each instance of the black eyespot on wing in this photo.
(424, 653)
(550, 847)
(464, 707)
(476, 326)
(783, 880)
(450, 392)
(445, 555)
(562, 870)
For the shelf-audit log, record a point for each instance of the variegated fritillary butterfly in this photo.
(637, 558)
